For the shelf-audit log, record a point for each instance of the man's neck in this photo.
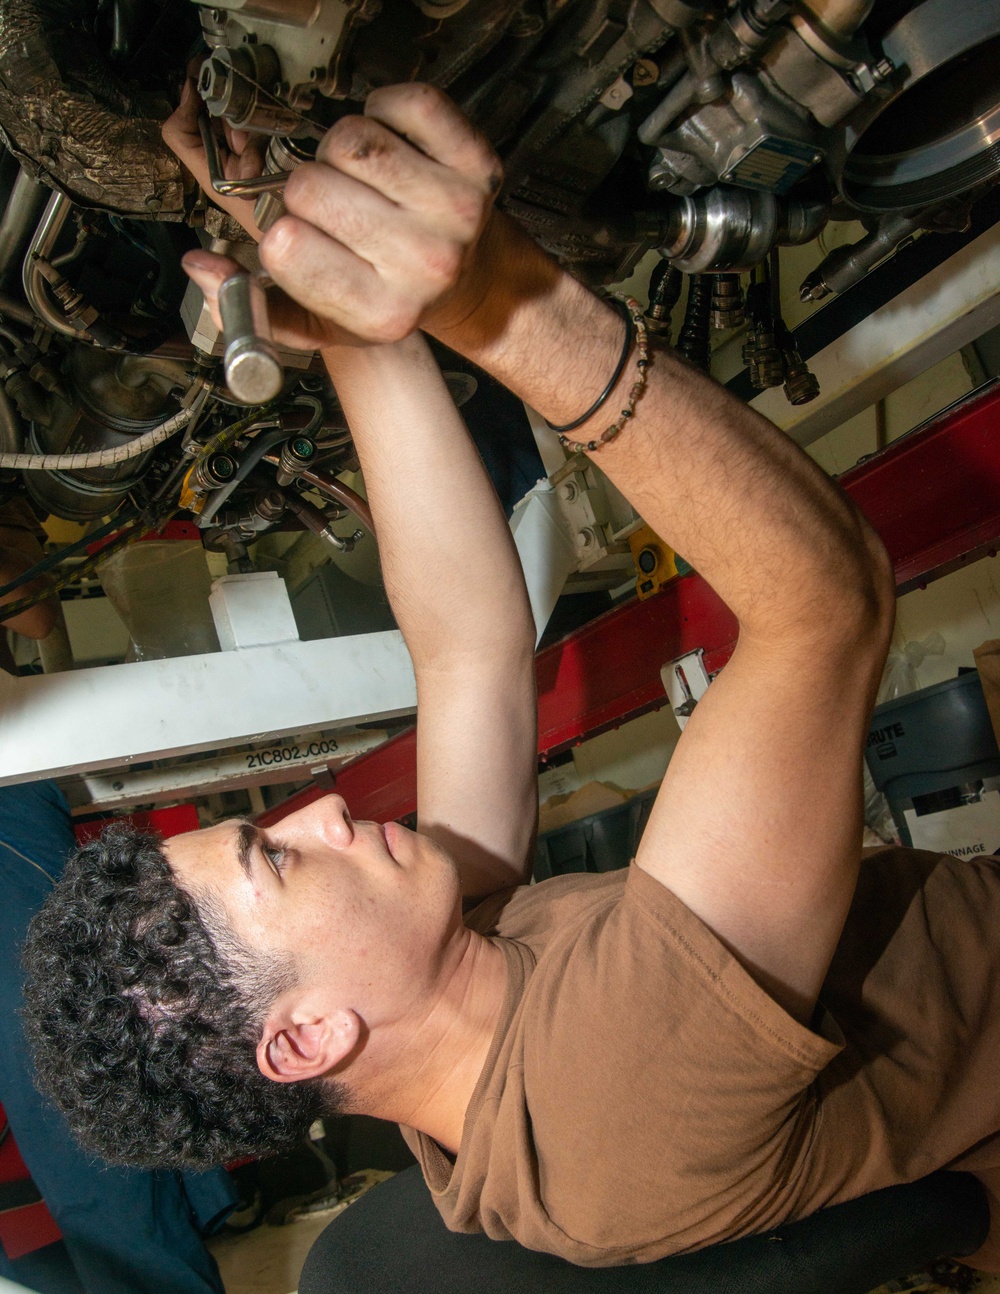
(434, 1071)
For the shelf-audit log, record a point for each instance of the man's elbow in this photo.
(864, 611)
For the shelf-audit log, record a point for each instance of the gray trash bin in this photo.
(934, 752)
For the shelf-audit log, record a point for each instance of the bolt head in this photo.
(567, 491)
(645, 72)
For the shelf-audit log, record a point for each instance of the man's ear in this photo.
(292, 1049)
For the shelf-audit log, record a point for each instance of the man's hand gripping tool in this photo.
(254, 373)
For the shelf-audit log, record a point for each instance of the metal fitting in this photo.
(764, 358)
(212, 473)
(801, 383)
(726, 308)
(664, 292)
(297, 455)
(243, 86)
(728, 228)
(270, 506)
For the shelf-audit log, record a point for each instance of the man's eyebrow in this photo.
(247, 836)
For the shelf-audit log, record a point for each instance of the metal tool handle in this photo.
(249, 188)
(253, 370)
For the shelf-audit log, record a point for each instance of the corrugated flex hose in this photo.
(97, 457)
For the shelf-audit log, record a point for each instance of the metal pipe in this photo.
(13, 309)
(672, 105)
(21, 215)
(847, 265)
(11, 431)
(46, 235)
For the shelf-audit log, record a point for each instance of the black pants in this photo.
(394, 1242)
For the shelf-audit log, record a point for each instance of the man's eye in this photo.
(275, 855)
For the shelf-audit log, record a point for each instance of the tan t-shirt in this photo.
(644, 1096)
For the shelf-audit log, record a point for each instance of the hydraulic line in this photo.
(97, 457)
(342, 494)
(265, 440)
(314, 520)
(17, 311)
(11, 431)
(50, 227)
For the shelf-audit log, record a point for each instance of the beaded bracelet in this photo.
(638, 386)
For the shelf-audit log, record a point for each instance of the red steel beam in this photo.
(933, 496)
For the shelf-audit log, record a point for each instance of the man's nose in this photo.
(338, 829)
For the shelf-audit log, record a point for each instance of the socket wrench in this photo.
(254, 373)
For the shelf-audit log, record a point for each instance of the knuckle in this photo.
(300, 189)
(392, 320)
(411, 98)
(468, 206)
(352, 138)
(442, 262)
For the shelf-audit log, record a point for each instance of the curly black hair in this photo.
(144, 1012)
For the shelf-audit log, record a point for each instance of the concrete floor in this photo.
(268, 1260)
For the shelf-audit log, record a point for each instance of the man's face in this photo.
(366, 913)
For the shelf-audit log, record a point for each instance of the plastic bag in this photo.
(900, 673)
(898, 678)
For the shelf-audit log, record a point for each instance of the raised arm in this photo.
(448, 559)
(455, 584)
(757, 825)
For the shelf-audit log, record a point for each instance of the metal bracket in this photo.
(685, 681)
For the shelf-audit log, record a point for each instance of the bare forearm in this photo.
(728, 490)
(450, 567)
(18, 553)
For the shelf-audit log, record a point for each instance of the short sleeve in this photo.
(669, 1096)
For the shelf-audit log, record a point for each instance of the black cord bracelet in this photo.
(623, 310)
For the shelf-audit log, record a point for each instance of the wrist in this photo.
(531, 324)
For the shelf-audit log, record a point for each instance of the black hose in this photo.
(264, 441)
(694, 341)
